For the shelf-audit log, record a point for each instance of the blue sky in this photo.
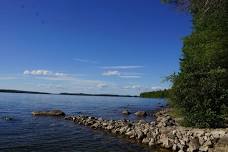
(90, 46)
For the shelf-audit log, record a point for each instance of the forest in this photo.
(199, 90)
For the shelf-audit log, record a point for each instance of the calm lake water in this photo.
(37, 134)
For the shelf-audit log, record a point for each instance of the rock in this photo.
(130, 133)
(166, 142)
(95, 126)
(7, 118)
(141, 114)
(123, 129)
(139, 134)
(145, 141)
(208, 143)
(217, 133)
(100, 119)
(126, 112)
(174, 148)
(223, 140)
(142, 122)
(181, 147)
(110, 127)
(163, 131)
(69, 118)
(194, 144)
(203, 148)
(152, 142)
(49, 113)
(222, 145)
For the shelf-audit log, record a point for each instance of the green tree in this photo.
(200, 89)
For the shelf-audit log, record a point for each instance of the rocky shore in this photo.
(164, 132)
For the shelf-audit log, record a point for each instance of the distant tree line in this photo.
(200, 89)
(156, 94)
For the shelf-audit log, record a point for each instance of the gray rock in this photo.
(166, 142)
(174, 148)
(208, 143)
(139, 134)
(194, 144)
(203, 148)
(141, 114)
(123, 129)
(95, 126)
(130, 133)
(152, 142)
(145, 141)
(49, 113)
(126, 112)
(217, 133)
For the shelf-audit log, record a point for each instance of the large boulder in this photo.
(141, 114)
(49, 113)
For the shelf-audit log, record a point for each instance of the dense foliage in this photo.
(156, 94)
(200, 89)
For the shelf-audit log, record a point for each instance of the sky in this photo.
(89, 46)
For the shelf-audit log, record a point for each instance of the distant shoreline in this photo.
(72, 94)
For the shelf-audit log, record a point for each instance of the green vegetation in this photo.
(156, 94)
(200, 89)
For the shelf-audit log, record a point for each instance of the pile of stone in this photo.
(164, 131)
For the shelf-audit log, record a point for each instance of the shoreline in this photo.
(164, 132)
(67, 94)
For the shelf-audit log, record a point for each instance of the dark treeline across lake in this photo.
(65, 93)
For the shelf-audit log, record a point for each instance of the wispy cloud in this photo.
(85, 60)
(123, 67)
(102, 85)
(44, 73)
(132, 87)
(111, 73)
(68, 79)
(130, 76)
(47, 75)
(7, 78)
(121, 74)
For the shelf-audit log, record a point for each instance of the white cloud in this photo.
(120, 74)
(85, 61)
(132, 87)
(123, 67)
(102, 85)
(60, 74)
(44, 73)
(130, 76)
(111, 73)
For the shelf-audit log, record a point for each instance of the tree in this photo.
(200, 89)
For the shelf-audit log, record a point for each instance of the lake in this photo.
(28, 133)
